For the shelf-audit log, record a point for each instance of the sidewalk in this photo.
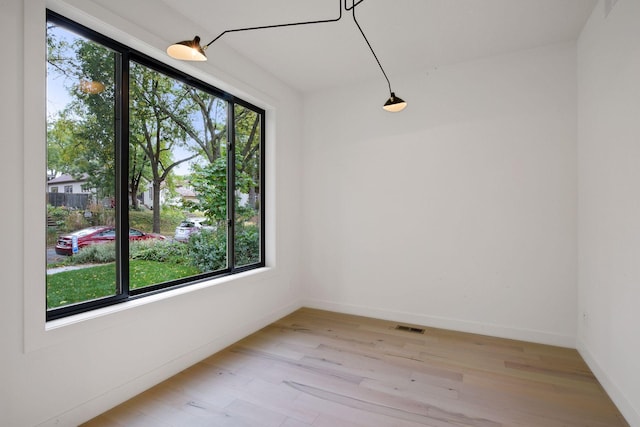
(68, 268)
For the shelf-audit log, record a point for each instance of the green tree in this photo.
(153, 129)
(247, 153)
(206, 125)
(60, 144)
(210, 184)
(170, 123)
(81, 134)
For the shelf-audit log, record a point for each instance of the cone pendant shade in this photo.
(394, 104)
(187, 50)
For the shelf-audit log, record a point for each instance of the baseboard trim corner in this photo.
(625, 407)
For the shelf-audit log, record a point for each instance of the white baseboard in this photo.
(146, 380)
(630, 413)
(500, 331)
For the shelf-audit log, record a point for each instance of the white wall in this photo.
(74, 369)
(609, 201)
(459, 212)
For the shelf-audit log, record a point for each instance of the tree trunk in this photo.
(156, 206)
(134, 197)
(253, 197)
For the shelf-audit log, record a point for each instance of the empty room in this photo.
(339, 213)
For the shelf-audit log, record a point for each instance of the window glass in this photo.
(178, 154)
(80, 143)
(247, 185)
(162, 198)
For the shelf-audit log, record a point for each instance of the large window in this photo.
(172, 172)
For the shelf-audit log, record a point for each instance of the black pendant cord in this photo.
(354, 4)
(369, 44)
(322, 21)
(347, 8)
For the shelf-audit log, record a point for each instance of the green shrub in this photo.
(247, 244)
(101, 215)
(149, 250)
(208, 250)
(57, 214)
(95, 254)
(76, 220)
(161, 251)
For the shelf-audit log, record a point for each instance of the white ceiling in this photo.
(408, 36)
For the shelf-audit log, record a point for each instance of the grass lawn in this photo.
(97, 282)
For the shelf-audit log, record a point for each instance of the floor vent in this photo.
(410, 329)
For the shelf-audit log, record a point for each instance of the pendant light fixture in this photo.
(188, 50)
(192, 50)
(394, 104)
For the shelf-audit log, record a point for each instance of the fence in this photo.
(69, 200)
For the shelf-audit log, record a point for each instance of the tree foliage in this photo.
(81, 133)
(210, 184)
(170, 123)
(155, 108)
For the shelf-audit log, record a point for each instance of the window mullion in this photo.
(122, 171)
(263, 192)
(231, 185)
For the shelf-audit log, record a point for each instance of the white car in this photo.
(189, 226)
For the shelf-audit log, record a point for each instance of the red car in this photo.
(98, 234)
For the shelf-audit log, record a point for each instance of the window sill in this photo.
(77, 326)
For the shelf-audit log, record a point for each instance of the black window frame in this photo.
(128, 54)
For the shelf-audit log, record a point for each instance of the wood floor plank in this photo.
(318, 368)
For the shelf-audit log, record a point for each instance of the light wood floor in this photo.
(316, 368)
